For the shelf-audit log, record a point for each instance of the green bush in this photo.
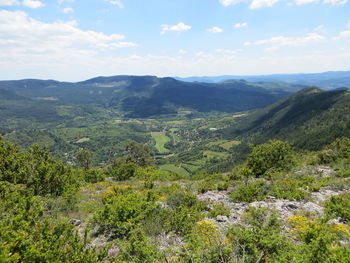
(262, 240)
(338, 150)
(222, 186)
(123, 171)
(122, 211)
(27, 234)
(206, 186)
(37, 169)
(94, 175)
(288, 188)
(181, 219)
(219, 210)
(338, 206)
(136, 248)
(273, 156)
(250, 192)
(185, 199)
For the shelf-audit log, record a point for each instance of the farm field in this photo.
(174, 169)
(161, 139)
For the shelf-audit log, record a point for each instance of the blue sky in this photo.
(77, 39)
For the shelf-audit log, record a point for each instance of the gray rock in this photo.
(75, 221)
(324, 171)
(292, 206)
(222, 219)
(336, 221)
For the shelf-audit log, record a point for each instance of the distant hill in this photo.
(143, 96)
(325, 80)
(309, 119)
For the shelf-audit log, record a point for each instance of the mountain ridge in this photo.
(146, 96)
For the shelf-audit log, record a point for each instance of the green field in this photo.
(160, 140)
(218, 142)
(174, 169)
(211, 154)
(229, 144)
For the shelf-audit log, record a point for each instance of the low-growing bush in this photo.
(250, 192)
(185, 199)
(288, 188)
(338, 150)
(262, 240)
(136, 248)
(122, 211)
(338, 206)
(219, 210)
(181, 219)
(222, 186)
(206, 186)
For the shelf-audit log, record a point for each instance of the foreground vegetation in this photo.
(132, 212)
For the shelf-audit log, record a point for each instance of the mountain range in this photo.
(326, 80)
(139, 96)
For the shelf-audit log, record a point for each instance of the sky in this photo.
(73, 40)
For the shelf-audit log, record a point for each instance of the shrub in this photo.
(338, 206)
(35, 168)
(250, 192)
(262, 240)
(185, 199)
(206, 186)
(181, 219)
(219, 210)
(273, 156)
(27, 234)
(339, 149)
(122, 211)
(288, 188)
(222, 186)
(137, 249)
(94, 175)
(123, 172)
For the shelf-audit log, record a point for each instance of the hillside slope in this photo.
(309, 119)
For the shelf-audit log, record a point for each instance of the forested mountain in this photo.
(309, 119)
(325, 80)
(141, 96)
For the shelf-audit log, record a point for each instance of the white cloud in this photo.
(32, 3)
(8, 2)
(23, 35)
(343, 34)
(228, 54)
(116, 3)
(303, 2)
(239, 25)
(215, 30)
(182, 51)
(335, 2)
(279, 41)
(60, 2)
(67, 10)
(320, 28)
(180, 27)
(262, 3)
(230, 2)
